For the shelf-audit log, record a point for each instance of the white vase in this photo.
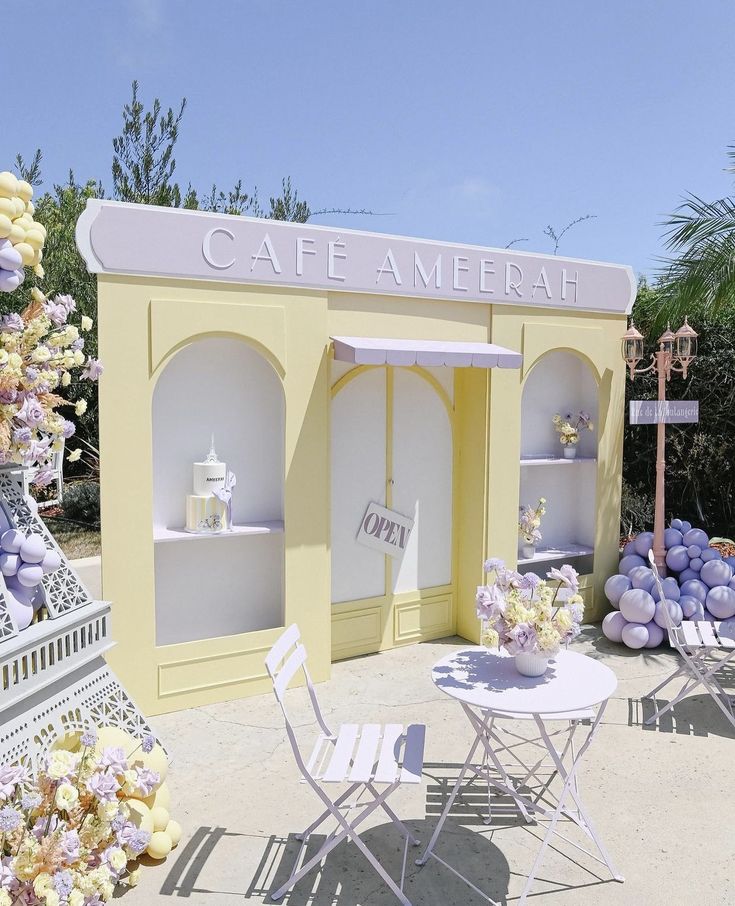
(570, 451)
(528, 551)
(532, 663)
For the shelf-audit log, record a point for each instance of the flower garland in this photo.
(39, 353)
(520, 612)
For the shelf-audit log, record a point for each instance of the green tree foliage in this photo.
(700, 459)
(700, 278)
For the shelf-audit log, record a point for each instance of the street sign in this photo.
(670, 412)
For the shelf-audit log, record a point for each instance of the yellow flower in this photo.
(41, 883)
(66, 797)
(14, 360)
(564, 620)
(52, 898)
(133, 878)
(61, 764)
(74, 455)
(87, 323)
(117, 859)
(548, 639)
(40, 354)
(76, 898)
(78, 357)
(5, 898)
(490, 638)
(37, 295)
(65, 379)
(81, 407)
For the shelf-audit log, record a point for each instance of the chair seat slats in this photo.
(390, 753)
(727, 641)
(690, 634)
(413, 754)
(342, 757)
(707, 633)
(362, 768)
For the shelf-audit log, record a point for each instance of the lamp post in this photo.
(675, 353)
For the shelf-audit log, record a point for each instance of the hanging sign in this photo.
(669, 412)
(384, 530)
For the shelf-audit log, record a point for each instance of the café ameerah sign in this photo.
(118, 238)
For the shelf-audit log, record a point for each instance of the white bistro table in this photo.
(573, 692)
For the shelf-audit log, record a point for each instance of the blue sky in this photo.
(477, 122)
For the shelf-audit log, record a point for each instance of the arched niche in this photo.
(560, 382)
(391, 435)
(212, 586)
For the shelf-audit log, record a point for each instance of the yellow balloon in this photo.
(25, 219)
(173, 829)
(140, 815)
(25, 190)
(35, 240)
(26, 253)
(30, 208)
(161, 797)
(6, 226)
(69, 742)
(7, 208)
(8, 184)
(17, 233)
(112, 738)
(160, 817)
(160, 845)
(20, 208)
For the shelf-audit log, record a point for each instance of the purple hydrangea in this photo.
(89, 738)
(93, 369)
(493, 564)
(118, 823)
(104, 786)
(11, 322)
(149, 741)
(30, 801)
(22, 435)
(63, 884)
(70, 846)
(78, 344)
(10, 819)
(67, 429)
(134, 839)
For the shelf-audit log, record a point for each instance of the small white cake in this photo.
(205, 513)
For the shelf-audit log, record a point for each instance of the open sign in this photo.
(384, 530)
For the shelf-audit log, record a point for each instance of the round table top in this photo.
(489, 680)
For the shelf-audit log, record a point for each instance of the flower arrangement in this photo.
(39, 353)
(520, 613)
(68, 836)
(569, 426)
(529, 523)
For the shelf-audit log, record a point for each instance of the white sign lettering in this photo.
(384, 530)
(670, 412)
(120, 238)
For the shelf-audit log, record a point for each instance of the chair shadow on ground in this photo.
(346, 879)
(695, 715)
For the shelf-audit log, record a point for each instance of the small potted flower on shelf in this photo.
(528, 617)
(529, 524)
(568, 428)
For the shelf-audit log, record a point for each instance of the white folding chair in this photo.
(704, 650)
(362, 756)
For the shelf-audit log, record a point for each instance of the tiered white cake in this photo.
(205, 513)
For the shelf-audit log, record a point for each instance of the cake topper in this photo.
(212, 455)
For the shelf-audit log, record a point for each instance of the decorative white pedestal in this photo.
(53, 676)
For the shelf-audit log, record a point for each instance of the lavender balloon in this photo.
(710, 553)
(691, 606)
(677, 558)
(641, 577)
(615, 587)
(30, 574)
(715, 572)
(686, 527)
(696, 588)
(670, 587)
(695, 564)
(687, 574)
(655, 635)
(675, 613)
(721, 602)
(677, 524)
(629, 548)
(672, 538)
(613, 625)
(694, 550)
(635, 635)
(12, 540)
(644, 543)
(630, 562)
(637, 606)
(696, 536)
(51, 562)
(9, 563)
(33, 549)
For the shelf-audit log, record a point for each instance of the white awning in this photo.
(383, 351)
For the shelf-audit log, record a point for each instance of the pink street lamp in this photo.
(676, 352)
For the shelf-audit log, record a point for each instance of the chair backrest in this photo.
(669, 627)
(284, 661)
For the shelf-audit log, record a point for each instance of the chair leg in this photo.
(394, 818)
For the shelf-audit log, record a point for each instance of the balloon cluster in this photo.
(21, 237)
(700, 586)
(24, 561)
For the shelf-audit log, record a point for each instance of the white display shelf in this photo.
(552, 460)
(273, 527)
(568, 551)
